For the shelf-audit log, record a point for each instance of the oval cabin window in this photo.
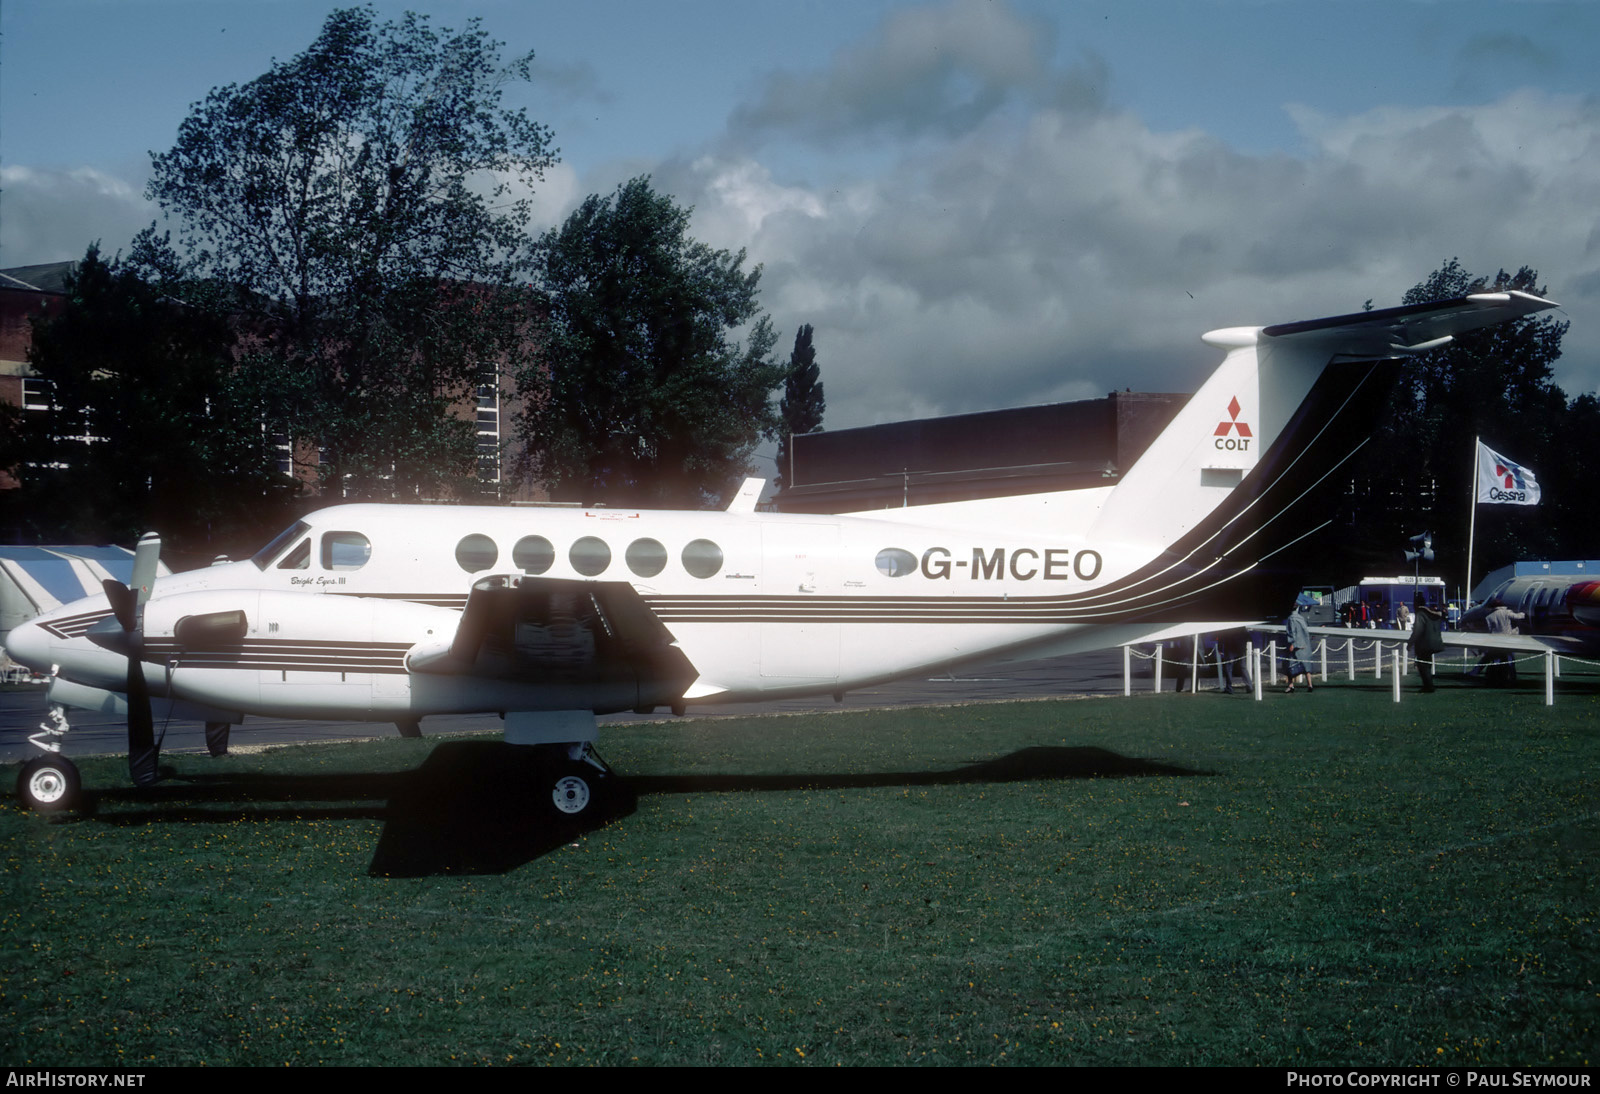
(533, 554)
(893, 562)
(590, 556)
(702, 558)
(476, 552)
(646, 557)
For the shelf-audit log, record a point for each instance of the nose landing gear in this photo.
(48, 784)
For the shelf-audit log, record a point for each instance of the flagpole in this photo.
(1472, 525)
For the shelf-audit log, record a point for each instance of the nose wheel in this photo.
(48, 784)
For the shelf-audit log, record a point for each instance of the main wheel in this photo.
(572, 794)
(48, 784)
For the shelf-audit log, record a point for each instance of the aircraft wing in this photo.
(1472, 640)
(560, 632)
(1517, 643)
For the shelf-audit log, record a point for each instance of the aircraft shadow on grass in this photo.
(467, 809)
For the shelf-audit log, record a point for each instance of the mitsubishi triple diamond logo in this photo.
(1241, 443)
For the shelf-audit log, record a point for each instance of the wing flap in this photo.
(561, 632)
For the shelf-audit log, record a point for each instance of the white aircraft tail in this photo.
(1228, 486)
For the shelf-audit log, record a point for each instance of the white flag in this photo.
(1501, 480)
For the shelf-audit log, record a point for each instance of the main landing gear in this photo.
(572, 781)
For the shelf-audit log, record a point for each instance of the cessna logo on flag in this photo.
(1503, 481)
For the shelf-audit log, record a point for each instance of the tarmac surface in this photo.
(1100, 673)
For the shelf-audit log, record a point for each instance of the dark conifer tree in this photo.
(803, 403)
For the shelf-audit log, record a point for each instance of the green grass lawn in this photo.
(1314, 879)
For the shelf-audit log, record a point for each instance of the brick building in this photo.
(25, 291)
(30, 291)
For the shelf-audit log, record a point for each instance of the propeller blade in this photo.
(127, 605)
(143, 755)
(145, 556)
(124, 604)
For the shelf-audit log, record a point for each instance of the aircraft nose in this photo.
(1583, 601)
(29, 645)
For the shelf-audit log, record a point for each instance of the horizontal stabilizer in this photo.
(1411, 328)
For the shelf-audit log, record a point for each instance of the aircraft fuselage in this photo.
(763, 605)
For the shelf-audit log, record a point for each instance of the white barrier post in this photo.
(1377, 659)
(1549, 678)
(1350, 657)
(1255, 671)
(1127, 670)
(1194, 665)
(1397, 674)
(1322, 648)
(1272, 658)
(1158, 668)
(1405, 659)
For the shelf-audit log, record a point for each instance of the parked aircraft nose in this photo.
(28, 644)
(1583, 601)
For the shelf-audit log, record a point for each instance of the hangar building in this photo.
(1028, 450)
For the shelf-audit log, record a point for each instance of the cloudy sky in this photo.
(976, 203)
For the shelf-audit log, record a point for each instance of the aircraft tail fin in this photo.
(1230, 482)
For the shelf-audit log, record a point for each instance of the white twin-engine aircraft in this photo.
(551, 615)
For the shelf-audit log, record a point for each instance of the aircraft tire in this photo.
(574, 792)
(217, 738)
(48, 784)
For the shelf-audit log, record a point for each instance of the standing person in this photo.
(1426, 640)
(1502, 620)
(1299, 649)
(1230, 648)
(1402, 615)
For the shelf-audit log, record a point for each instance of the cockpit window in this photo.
(264, 557)
(299, 558)
(345, 550)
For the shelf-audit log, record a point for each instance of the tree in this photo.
(1495, 383)
(803, 404)
(150, 423)
(368, 200)
(644, 396)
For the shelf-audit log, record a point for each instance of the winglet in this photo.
(750, 493)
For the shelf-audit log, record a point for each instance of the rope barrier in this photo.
(1398, 647)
